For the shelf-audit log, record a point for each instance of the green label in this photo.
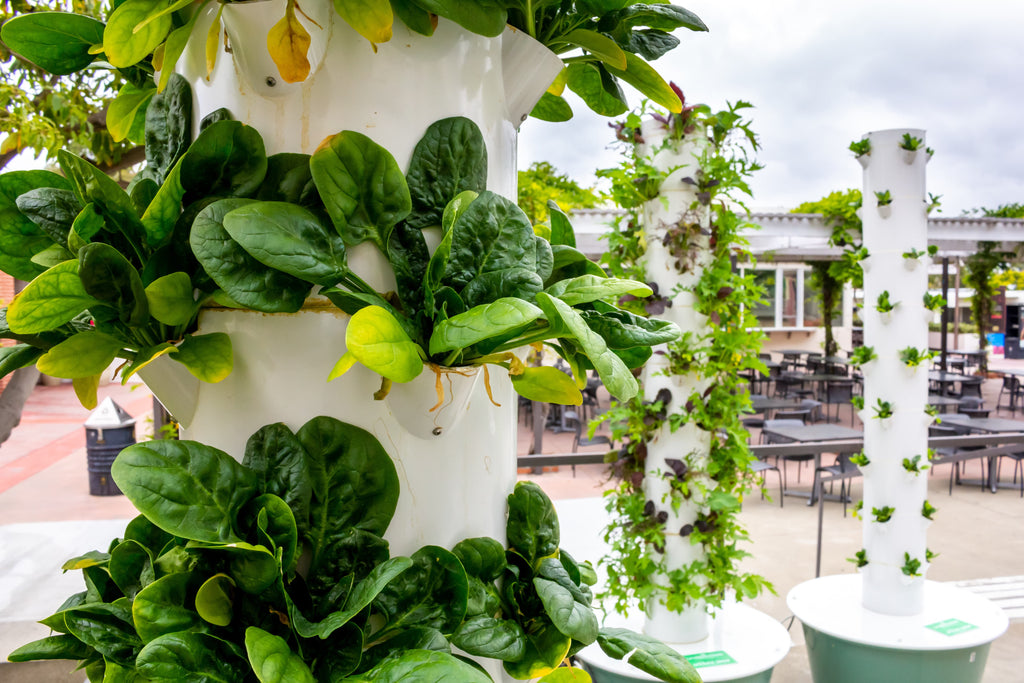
(703, 659)
(951, 627)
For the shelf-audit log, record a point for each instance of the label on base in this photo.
(716, 658)
(951, 627)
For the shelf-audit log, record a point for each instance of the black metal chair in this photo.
(1018, 468)
(836, 394)
(1011, 387)
(970, 387)
(952, 456)
(571, 418)
(974, 407)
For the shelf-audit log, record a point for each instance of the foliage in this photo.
(911, 566)
(934, 200)
(124, 274)
(860, 558)
(860, 459)
(1013, 210)
(605, 44)
(883, 197)
(934, 302)
(1011, 279)
(883, 409)
(912, 357)
(914, 464)
(860, 147)
(883, 514)
(932, 250)
(883, 305)
(839, 212)
(928, 510)
(637, 534)
(277, 567)
(910, 142)
(43, 113)
(542, 183)
(861, 355)
(979, 269)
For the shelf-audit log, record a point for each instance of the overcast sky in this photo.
(821, 73)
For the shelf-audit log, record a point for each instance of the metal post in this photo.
(945, 313)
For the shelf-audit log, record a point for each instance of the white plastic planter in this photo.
(453, 483)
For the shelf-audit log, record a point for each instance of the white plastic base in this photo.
(833, 605)
(741, 643)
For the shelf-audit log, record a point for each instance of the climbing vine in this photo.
(718, 356)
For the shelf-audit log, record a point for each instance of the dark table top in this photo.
(771, 403)
(945, 377)
(815, 432)
(985, 424)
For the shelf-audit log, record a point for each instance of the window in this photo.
(789, 299)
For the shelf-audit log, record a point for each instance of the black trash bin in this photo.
(108, 431)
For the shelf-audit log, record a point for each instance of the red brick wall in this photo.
(6, 294)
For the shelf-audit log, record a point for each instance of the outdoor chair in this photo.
(1018, 468)
(1012, 388)
(841, 470)
(759, 466)
(974, 407)
(952, 456)
(768, 438)
(571, 418)
(836, 394)
(788, 385)
(971, 387)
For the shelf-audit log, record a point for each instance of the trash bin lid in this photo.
(108, 416)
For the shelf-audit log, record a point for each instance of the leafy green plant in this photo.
(857, 509)
(860, 558)
(927, 510)
(883, 409)
(912, 357)
(915, 464)
(910, 142)
(934, 200)
(637, 533)
(883, 197)
(931, 410)
(934, 302)
(276, 569)
(860, 459)
(860, 147)
(862, 355)
(604, 43)
(883, 304)
(883, 514)
(929, 555)
(930, 152)
(857, 402)
(911, 566)
(932, 250)
(218, 220)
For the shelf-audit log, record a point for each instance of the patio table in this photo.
(942, 402)
(986, 425)
(945, 379)
(813, 432)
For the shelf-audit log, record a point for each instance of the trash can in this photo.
(108, 431)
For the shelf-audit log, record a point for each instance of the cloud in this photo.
(821, 74)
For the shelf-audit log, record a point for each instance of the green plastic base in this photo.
(601, 676)
(834, 660)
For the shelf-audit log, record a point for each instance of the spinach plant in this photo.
(883, 409)
(915, 465)
(218, 220)
(862, 355)
(911, 565)
(276, 569)
(912, 357)
(927, 511)
(605, 44)
(883, 197)
(883, 514)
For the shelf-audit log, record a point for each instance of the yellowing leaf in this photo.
(288, 44)
(85, 390)
(372, 19)
(213, 42)
(557, 86)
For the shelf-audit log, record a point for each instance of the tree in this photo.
(839, 211)
(980, 269)
(542, 183)
(43, 112)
